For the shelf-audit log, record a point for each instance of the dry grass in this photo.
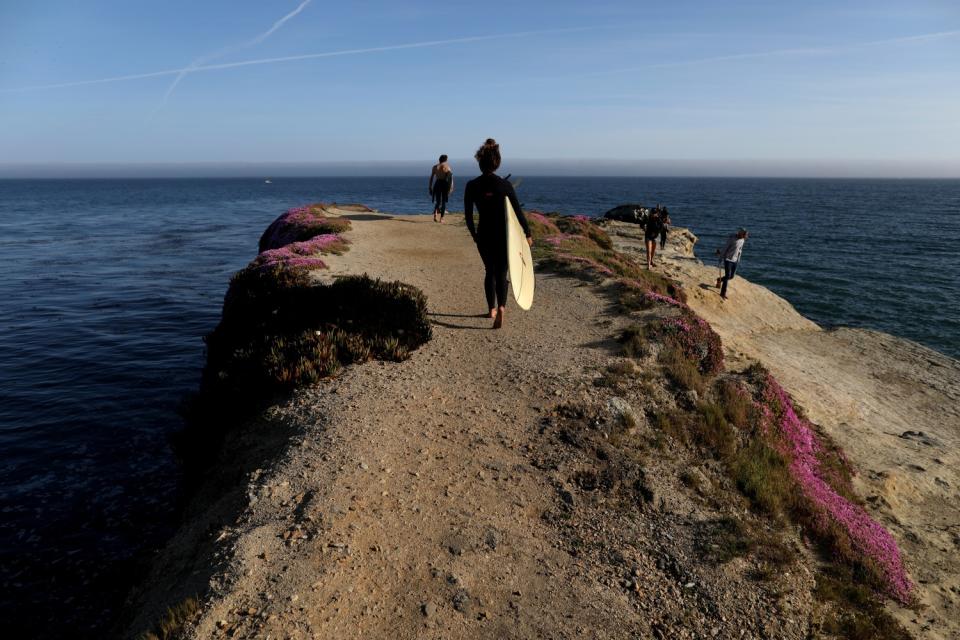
(634, 341)
(681, 370)
(173, 621)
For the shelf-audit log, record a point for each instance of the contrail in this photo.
(213, 56)
(305, 56)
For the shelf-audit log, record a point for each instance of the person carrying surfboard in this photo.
(440, 187)
(489, 194)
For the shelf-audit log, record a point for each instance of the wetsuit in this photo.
(441, 190)
(655, 228)
(487, 193)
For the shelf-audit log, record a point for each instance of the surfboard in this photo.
(519, 260)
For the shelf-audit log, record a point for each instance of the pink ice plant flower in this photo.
(581, 218)
(558, 239)
(654, 297)
(295, 224)
(302, 254)
(867, 537)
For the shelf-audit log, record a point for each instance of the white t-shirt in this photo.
(733, 249)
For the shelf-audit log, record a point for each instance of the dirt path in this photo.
(428, 519)
(892, 405)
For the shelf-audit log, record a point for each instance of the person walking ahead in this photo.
(440, 187)
(730, 254)
(488, 193)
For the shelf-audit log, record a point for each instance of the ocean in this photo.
(110, 286)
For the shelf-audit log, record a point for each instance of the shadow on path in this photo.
(450, 325)
(370, 217)
(458, 315)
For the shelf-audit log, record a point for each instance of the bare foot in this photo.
(499, 321)
(493, 313)
(435, 217)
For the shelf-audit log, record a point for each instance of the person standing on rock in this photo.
(488, 194)
(730, 255)
(440, 187)
(655, 228)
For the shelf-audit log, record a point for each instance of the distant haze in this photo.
(465, 168)
(823, 88)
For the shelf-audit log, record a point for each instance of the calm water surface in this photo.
(111, 284)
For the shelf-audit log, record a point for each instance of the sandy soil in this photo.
(452, 496)
(893, 405)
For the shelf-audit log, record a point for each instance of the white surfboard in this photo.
(519, 260)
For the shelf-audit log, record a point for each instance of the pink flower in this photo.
(868, 538)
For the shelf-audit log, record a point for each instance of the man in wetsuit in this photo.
(488, 193)
(440, 187)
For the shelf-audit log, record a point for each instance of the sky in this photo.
(814, 87)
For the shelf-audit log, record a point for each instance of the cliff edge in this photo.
(891, 404)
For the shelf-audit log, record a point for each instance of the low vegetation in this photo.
(281, 328)
(300, 224)
(778, 459)
(173, 621)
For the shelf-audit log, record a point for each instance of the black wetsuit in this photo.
(656, 227)
(487, 193)
(441, 190)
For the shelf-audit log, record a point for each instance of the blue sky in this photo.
(811, 81)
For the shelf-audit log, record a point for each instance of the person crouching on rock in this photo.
(730, 254)
(488, 193)
(654, 229)
(440, 187)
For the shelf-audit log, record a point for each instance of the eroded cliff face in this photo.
(891, 404)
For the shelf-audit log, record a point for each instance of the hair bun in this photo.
(490, 143)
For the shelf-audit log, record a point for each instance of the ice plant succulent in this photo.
(695, 338)
(856, 537)
(302, 254)
(299, 224)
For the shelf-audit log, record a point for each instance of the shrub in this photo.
(681, 370)
(738, 407)
(761, 474)
(279, 330)
(582, 226)
(540, 225)
(299, 224)
(714, 432)
(634, 341)
(695, 339)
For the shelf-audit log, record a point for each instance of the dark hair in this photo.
(443, 158)
(488, 156)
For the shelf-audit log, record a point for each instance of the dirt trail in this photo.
(893, 405)
(412, 505)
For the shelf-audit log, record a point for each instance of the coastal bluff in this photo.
(891, 404)
(512, 483)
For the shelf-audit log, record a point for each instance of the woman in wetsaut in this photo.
(488, 193)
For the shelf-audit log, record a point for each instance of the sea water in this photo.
(109, 286)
